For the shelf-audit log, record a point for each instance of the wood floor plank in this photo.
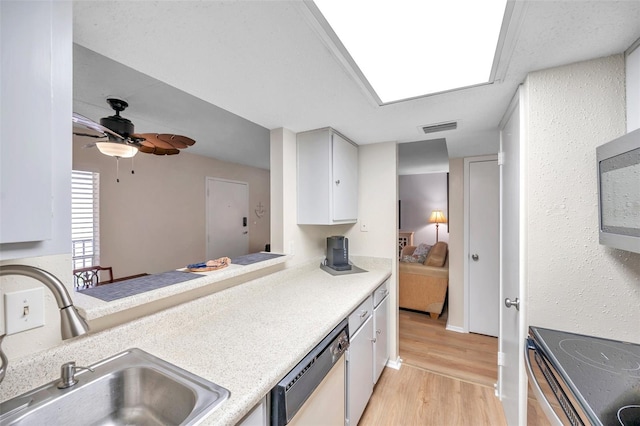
(446, 379)
(425, 343)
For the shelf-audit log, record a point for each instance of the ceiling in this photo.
(224, 72)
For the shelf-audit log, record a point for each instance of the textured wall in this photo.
(420, 195)
(36, 339)
(574, 283)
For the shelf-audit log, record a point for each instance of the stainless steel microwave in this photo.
(619, 192)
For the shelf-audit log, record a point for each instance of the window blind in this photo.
(85, 219)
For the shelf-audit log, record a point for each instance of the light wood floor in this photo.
(446, 379)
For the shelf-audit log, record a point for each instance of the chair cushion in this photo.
(437, 255)
(412, 258)
(422, 250)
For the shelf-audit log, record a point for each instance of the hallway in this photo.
(446, 379)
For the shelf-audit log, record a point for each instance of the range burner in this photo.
(629, 415)
(603, 376)
(602, 356)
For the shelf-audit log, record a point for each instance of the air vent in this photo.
(440, 127)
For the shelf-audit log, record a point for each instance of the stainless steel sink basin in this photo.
(130, 388)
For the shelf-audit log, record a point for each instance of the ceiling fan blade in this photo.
(178, 141)
(92, 125)
(162, 151)
(96, 135)
(151, 139)
(146, 149)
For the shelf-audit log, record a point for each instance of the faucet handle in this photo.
(68, 374)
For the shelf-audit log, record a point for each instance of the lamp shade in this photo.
(115, 149)
(437, 217)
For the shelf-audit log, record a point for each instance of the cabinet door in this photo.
(381, 336)
(345, 179)
(359, 376)
(257, 416)
(26, 121)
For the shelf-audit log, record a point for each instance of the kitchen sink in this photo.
(130, 388)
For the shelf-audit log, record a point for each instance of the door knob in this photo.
(475, 257)
(509, 303)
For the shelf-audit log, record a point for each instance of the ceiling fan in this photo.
(118, 138)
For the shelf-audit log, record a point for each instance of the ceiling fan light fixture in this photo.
(115, 149)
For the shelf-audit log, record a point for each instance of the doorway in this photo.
(482, 254)
(227, 212)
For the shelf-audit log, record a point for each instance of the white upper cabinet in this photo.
(327, 178)
(35, 128)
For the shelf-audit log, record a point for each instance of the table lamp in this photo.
(437, 217)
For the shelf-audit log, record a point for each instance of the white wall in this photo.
(377, 202)
(574, 283)
(420, 195)
(378, 207)
(455, 297)
(155, 220)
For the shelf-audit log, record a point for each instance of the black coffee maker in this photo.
(338, 253)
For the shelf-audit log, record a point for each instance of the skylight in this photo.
(409, 48)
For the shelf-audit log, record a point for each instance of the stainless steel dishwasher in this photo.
(313, 392)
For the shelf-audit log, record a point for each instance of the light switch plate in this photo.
(23, 310)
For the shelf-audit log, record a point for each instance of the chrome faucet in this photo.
(71, 323)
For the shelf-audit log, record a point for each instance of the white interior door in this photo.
(227, 218)
(511, 376)
(484, 247)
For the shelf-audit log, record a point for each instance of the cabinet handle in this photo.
(374, 340)
(364, 314)
(378, 331)
(338, 182)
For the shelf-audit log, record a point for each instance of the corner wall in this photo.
(574, 283)
(455, 295)
(378, 207)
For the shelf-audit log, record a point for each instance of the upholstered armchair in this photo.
(423, 286)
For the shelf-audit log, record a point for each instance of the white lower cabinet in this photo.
(258, 416)
(359, 376)
(381, 338)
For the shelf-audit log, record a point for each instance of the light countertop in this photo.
(245, 338)
(92, 308)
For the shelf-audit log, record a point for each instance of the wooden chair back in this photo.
(90, 276)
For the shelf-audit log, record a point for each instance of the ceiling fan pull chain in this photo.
(118, 169)
(132, 171)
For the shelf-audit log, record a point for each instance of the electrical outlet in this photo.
(23, 310)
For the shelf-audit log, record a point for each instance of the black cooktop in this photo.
(603, 374)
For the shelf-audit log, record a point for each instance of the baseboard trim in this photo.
(455, 328)
(395, 364)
